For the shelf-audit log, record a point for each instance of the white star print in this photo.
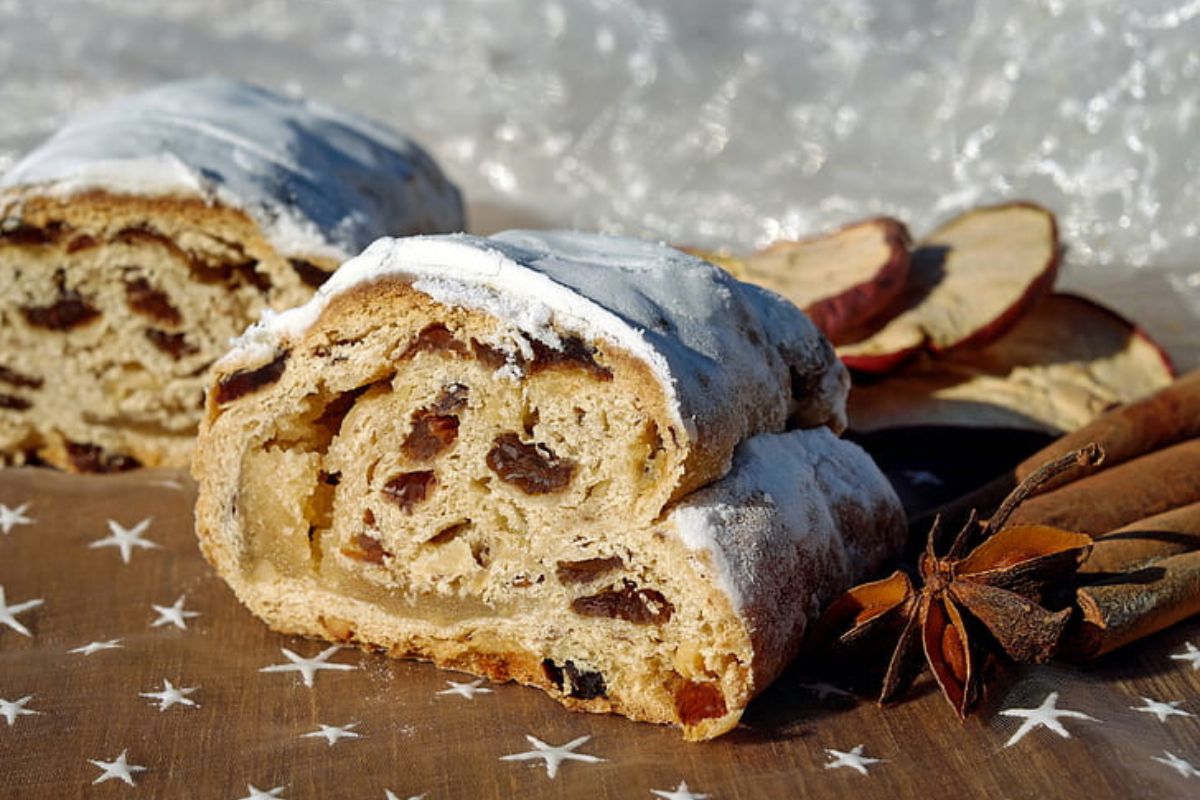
(1162, 710)
(259, 794)
(681, 793)
(307, 667)
(854, 759)
(96, 647)
(823, 690)
(171, 696)
(553, 756)
(125, 539)
(12, 517)
(1190, 653)
(1178, 764)
(467, 690)
(390, 795)
(8, 614)
(333, 733)
(173, 614)
(10, 710)
(119, 769)
(1045, 715)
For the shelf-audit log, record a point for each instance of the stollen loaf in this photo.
(590, 464)
(140, 238)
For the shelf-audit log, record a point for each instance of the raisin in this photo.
(19, 380)
(430, 435)
(452, 398)
(14, 403)
(585, 685)
(82, 242)
(366, 548)
(154, 303)
(586, 570)
(554, 673)
(244, 381)
(29, 234)
(93, 458)
(409, 488)
(534, 468)
(173, 344)
(491, 357)
(248, 270)
(448, 533)
(699, 701)
(575, 353)
(435, 338)
(309, 273)
(639, 606)
(70, 310)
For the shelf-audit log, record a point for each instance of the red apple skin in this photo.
(881, 364)
(1040, 288)
(842, 314)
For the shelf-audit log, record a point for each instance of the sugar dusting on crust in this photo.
(793, 503)
(320, 183)
(724, 351)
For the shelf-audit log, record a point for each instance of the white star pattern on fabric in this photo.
(12, 517)
(1046, 715)
(390, 795)
(333, 733)
(171, 696)
(854, 759)
(553, 756)
(173, 614)
(1190, 653)
(824, 690)
(125, 539)
(10, 710)
(8, 614)
(1162, 710)
(681, 793)
(1178, 764)
(96, 647)
(259, 794)
(119, 769)
(467, 690)
(307, 667)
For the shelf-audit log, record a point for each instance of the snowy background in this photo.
(714, 122)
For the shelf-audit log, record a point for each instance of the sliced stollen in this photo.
(138, 240)
(590, 464)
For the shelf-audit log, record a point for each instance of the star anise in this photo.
(970, 610)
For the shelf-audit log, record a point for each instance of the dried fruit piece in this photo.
(841, 279)
(149, 301)
(14, 403)
(93, 458)
(587, 569)
(699, 701)
(70, 310)
(585, 684)
(575, 354)
(409, 488)
(491, 357)
(431, 434)
(533, 468)
(969, 282)
(1062, 365)
(366, 548)
(309, 273)
(244, 381)
(435, 338)
(175, 345)
(629, 603)
(19, 379)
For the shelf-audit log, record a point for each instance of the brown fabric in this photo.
(248, 725)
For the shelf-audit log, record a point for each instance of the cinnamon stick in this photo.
(1132, 606)
(1147, 485)
(1141, 543)
(1166, 417)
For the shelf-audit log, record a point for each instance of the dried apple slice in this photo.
(841, 279)
(969, 282)
(1066, 362)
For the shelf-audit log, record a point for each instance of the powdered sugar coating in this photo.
(792, 503)
(730, 356)
(319, 182)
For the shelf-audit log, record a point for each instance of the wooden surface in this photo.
(248, 726)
